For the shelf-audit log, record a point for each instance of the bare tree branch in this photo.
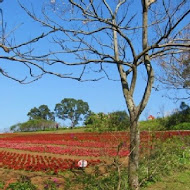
(91, 40)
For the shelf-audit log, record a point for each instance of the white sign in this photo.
(82, 163)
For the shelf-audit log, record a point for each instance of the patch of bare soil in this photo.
(37, 178)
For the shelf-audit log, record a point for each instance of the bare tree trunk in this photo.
(134, 115)
(134, 155)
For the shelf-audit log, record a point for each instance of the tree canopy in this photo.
(74, 110)
(43, 112)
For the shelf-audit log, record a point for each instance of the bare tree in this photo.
(95, 39)
(176, 74)
(175, 68)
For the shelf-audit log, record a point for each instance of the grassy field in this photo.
(176, 181)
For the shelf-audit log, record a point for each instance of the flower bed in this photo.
(73, 144)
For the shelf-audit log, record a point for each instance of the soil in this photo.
(37, 178)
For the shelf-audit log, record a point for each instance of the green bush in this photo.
(33, 125)
(97, 122)
(182, 126)
(175, 119)
(115, 121)
(152, 125)
(179, 117)
(118, 121)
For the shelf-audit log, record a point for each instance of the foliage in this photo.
(118, 121)
(74, 110)
(15, 127)
(115, 121)
(97, 180)
(33, 125)
(165, 158)
(51, 185)
(174, 121)
(24, 183)
(178, 180)
(43, 112)
(1, 185)
(152, 125)
(182, 126)
(97, 122)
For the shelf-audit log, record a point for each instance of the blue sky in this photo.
(16, 99)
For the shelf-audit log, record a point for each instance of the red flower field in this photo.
(59, 152)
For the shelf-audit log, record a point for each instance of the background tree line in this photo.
(42, 118)
(76, 111)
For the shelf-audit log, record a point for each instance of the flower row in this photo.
(16, 161)
(67, 150)
(91, 140)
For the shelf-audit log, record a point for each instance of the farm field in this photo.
(46, 156)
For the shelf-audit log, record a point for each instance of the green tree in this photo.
(97, 122)
(74, 110)
(43, 112)
(119, 120)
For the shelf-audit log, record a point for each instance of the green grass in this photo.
(179, 180)
(1, 185)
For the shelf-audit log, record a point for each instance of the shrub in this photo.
(181, 116)
(118, 121)
(182, 126)
(152, 125)
(98, 180)
(97, 122)
(33, 125)
(115, 121)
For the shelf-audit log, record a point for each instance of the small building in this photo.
(151, 117)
